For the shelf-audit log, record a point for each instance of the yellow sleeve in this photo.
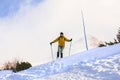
(66, 39)
(55, 40)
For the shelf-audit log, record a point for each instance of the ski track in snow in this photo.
(103, 69)
(97, 64)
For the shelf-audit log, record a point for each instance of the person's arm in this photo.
(55, 40)
(66, 39)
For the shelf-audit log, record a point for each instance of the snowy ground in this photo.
(96, 64)
(104, 69)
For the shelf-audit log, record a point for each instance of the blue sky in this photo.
(10, 7)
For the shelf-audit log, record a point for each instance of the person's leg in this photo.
(58, 52)
(61, 51)
(61, 55)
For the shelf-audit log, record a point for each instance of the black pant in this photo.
(59, 54)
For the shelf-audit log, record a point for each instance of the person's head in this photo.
(61, 33)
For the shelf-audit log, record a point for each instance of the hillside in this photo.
(95, 64)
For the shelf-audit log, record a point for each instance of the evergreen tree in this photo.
(118, 35)
(22, 66)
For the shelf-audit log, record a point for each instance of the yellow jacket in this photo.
(61, 40)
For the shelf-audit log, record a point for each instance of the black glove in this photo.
(50, 43)
(70, 39)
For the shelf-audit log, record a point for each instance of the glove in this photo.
(70, 39)
(50, 43)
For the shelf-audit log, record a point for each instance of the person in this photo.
(61, 44)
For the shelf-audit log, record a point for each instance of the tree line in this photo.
(116, 40)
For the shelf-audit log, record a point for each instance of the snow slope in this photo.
(95, 64)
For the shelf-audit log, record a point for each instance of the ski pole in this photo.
(70, 47)
(52, 52)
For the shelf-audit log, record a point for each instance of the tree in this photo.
(16, 66)
(118, 35)
(22, 66)
(111, 42)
